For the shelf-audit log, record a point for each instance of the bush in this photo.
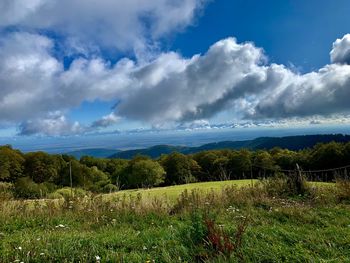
(98, 187)
(6, 191)
(25, 187)
(286, 186)
(343, 190)
(66, 192)
(110, 188)
(54, 195)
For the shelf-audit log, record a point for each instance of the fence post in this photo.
(299, 178)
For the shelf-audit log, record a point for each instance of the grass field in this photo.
(259, 227)
(171, 193)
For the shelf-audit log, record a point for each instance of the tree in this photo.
(263, 163)
(90, 161)
(284, 158)
(43, 167)
(206, 162)
(240, 164)
(11, 164)
(179, 168)
(115, 168)
(328, 155)
(144, 173)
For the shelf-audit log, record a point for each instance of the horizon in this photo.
(123, 142)
(190, 73)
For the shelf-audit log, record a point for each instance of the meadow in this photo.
(231, 221)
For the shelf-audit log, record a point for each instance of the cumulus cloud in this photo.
(114, 24)
(54, 125)
(341, 50)
(106, 121)
(168, 89)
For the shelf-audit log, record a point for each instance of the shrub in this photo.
(110, 188)
(98, 187)
(6, 191)
(54, 195)
(286, 186)
(66, 192)
(343, 190)
(25, 187)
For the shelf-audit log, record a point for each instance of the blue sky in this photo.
(290, 31)
(75, 67)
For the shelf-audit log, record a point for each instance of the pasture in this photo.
(228, 221)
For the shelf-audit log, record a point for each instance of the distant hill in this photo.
(153, 152)
(95, 152)
(290, 142)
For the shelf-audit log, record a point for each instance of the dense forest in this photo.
(39, 174)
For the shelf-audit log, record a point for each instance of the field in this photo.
(235, 223)
(172, 192)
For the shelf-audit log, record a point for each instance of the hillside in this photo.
(95, 152)
(290, 142)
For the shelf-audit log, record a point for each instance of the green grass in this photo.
(173, 192)
(129, 230)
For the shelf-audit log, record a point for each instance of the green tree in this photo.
(263, 163)
(43, 167)
(240, 164)
(11, 164)
(144, 173)
(179, 168)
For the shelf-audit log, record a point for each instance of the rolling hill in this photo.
(95, 152)
(290, 142)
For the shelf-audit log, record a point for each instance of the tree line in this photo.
(37, 174)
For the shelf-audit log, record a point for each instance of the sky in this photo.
(82, 67)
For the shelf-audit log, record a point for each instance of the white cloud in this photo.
(106, 121)
(341, 50)
(54, 125)
(111, 24)
(169, 89)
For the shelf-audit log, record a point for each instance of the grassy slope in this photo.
(172, 192)
(278, 231)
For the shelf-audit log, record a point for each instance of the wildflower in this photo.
(42, 254)
(19, 248)
(144, 248)
(60, 226)
(98, 258)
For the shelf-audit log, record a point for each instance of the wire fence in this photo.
(320, 175)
